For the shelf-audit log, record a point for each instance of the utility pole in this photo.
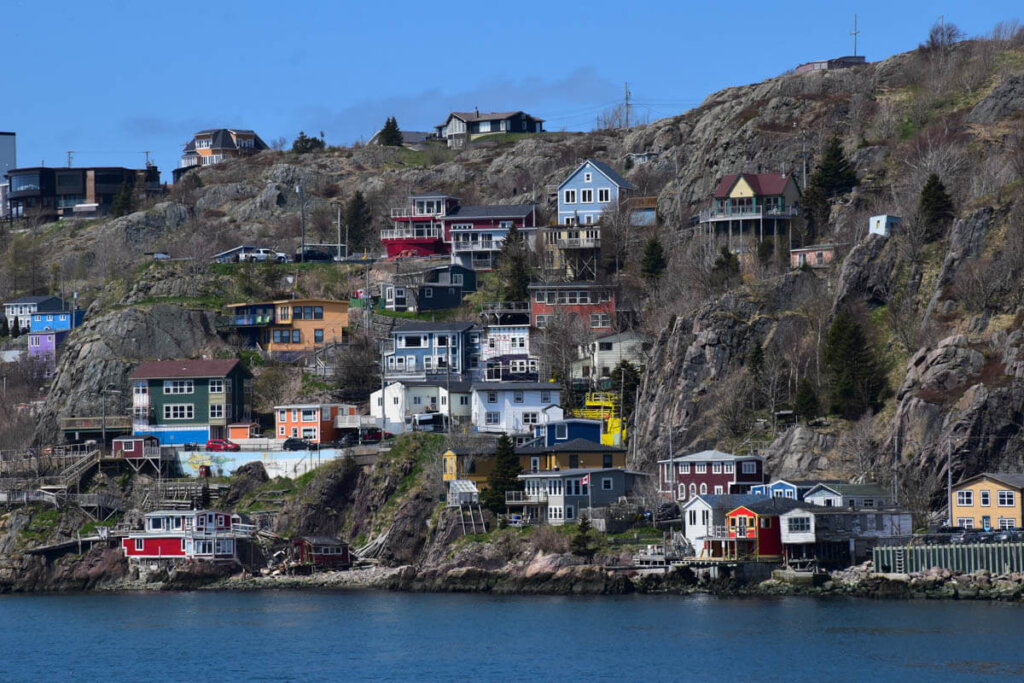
(339, 234)
(949, 480)
(627, 105)
(70, 152)
(855, 34)
(147, 153)
(302, 211)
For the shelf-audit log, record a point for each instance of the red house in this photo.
(593, 302)
(188, 534)
(321, 552)
(709, 472)
(136, 447)
(753, 532)
(437, 224)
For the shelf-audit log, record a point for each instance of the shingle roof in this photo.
(491, 211)
(730, 501)
(575, 445)
(170, 369)
(711, 456)
(1015, 479)
(763, 184)
(579, 471)
(774, 506)
(221, 139)
(44, 299)
(604, 168)
(517, 386)
(422, 326)
(488, 116)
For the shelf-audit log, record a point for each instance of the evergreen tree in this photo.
(834, 174)
(358, 218)
(514, 267)
(858, 378)
(580, 543)
(805, 403)
(4, 329)
(123, 200)
(304, 143)
(726, 268)
(626, 377)
(935, 207)
(390, 135)
(504, 475)
(653, 263)
(15, 328)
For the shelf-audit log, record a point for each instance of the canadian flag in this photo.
(585, 480)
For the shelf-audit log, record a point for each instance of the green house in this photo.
(189, 401)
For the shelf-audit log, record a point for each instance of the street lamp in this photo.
(103, 429)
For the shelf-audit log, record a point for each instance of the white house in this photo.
(514, 407)
(839, 535)
(849, 496)
(883, 225)
(601, 356)
(404, 398)
(703, 513)
(19, 312)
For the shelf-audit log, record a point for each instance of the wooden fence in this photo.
(997, 558)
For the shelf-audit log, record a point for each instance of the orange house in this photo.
(291, 327)
(314, 422)
(753, 531)
(243, 430)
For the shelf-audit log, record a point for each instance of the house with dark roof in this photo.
(438, 224)
(463, 126)
(428, 289)
(794, 489)
(420, 350)
(753, 531)
(189, 401)
(411, 139)
(588, 191)
(991, 500)
(214, 145)
(687, 476)
(402, 402)
(19, 312)
(850, 496)
(839, 537)
(703, 515)
(558, 497)
(51, 193)
(748, 206)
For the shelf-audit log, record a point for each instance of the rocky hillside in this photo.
(943, 311)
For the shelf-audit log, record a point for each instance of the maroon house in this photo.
(709, 472)
(321, 552)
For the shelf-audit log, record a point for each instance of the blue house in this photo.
(434, 289)
(427, 350)
(56, 321)
(792, 489)
(588, 191)
(563, 431)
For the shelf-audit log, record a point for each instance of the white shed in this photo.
(462, 492)
(883, 225)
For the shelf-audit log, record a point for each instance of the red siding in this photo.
(155, 547)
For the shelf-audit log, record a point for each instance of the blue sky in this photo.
(112, 78)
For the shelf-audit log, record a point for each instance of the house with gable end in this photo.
(588, 191)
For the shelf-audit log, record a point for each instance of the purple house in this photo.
(47, 333)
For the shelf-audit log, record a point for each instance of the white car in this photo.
(262, 255)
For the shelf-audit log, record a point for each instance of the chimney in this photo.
(476, 111)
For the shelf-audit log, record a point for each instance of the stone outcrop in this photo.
(1006, 99)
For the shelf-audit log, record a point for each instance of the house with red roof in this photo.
(749, 206)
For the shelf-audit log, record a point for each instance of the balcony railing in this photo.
(249, 320)
(354, 421)
(406, 212)
(506, 307)
(579, 243)
(95, 424)
(481, 245)
(411, 233)
(520, 497)
(752, 212)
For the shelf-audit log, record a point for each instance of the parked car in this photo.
(263, 255)
(294, 444)
(221, 445)
(312, 255)
(373, 435)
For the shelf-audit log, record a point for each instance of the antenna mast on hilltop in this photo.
(70, 152)
(855, 34)
(627, 106)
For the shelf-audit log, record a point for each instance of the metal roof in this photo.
(711, 456)
(574, 445)
(462, 486)
(490, 211)
(727, 501)
(170, 369)
(420, 326)
(605, 170)
(1014, 479)
(551, 474)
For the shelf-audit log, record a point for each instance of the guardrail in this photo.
(95, 423)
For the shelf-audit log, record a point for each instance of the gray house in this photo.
(561, 497)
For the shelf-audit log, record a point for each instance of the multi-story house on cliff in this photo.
(709, 472)
(748, 206)
(463, 126)
(214, 145)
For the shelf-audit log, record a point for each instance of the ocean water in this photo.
(339, 636)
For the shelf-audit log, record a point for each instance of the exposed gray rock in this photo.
(1006, 99)
(800, 453)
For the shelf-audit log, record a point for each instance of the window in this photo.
(729, 468)
(140, 544)
(492, 396)
(681, 492)
(179, 411)
(309, 414)
(517, 397)
(216, 411)
(703, 489)
(318, 336)
(1007, 522)
(587, 177)
(983, 498)
(719, 490)
(574, 461)
(607, 484)
(428, 292)
(541, 321)
(296, 337)
(600, 320)
(750, 468)
(281, 431)
(216, 386)
(531, 418)
(798, 525)
(606, 461)
(569, 197)
(545, 397)
(463, 400)
(179, 386)
(716, 468)
(684, 468)
(604, 195)
(417, 400)
(492, 418)
(965, 522)
(701, 468)
(693, 490)
(141, 388)
(586, 196)
(766, 523)
(318, 313)
(1005, 499)
(561, 432)
(965, 498)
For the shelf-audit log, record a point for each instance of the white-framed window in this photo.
(684, 468)
(545, 397)
(541, 321)
(965, 522)
(588, 219)
(703, 489)
(492, 396)
(309, 414)
(179, 386)
(1006, 498)
(141, 388)
(463, 400)
(561, 432)
(216, 386)
(693, 490)
(417, 400)
(1007, 522)
(140, 545)
(179, 411)
(984, 498)
(681, 492)
(716, 468)
(607, 484)
(282, 431)
(729, 468)
(492, 418)
(216, 411)
(799, 524)
(531, 418)
(569, 197)
(428, 362)
(586, 196)
(428, 292)
(518, 397)
(604, 195)
(750, 468)
(701, 468)
(588, 177)
(965, 498)
(719, 490)
(282, 416)
(600, 320)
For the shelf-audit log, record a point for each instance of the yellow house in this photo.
(475, 466)
(290, 326)
(989, 500)
(752, 206)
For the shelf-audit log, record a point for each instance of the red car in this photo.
(373, 435)
(221, 445)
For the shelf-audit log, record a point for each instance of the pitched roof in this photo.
(853, 489)
(728, 501)
(1014, 479)
(775, 506)
(469, 116)
(221, 139)
(491, 211)
(574, 445)
(423, 326)
(517, 386)
(711, 456)
(43, 299)
(172, 369)
(550, 474)
(763, 184)
(606, 170)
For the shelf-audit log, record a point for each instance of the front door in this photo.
(535, 464)
(986, 522)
